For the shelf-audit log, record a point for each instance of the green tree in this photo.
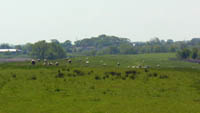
(44, 50)
(194, 53)
(127, 49)
(55, 51)
(184, 54)
(55, 41)
(67, 45)
(5, 46)
(39, 49)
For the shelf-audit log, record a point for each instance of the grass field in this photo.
(94, 88)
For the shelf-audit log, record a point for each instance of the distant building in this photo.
(10, 50)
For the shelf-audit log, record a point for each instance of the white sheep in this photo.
(118, 64)
(33, 62)
(45, 60)
(87, 62)
(38, 60)
(70, 61)
(57, 63)
(133, 67)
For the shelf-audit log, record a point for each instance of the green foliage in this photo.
(67, 45)
(44, 50)
(194, 53)
(5, 46)
(187, 53)
(127, 49)
(184, 54)
(104, 44)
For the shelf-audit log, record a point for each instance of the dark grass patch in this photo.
(123, 78)
(79, 72)
(69, 74)
(197, 100)
(133, 72)
(90, 72)
(97, 77)
(60, 74)
(68, 69)
(14, 75)
(132, 77)
(155, 74)
(113, 73)
(150, 75)
(106, 77)
(96, 99)
(33, 78)
(57, 90)
(164, 77)
(146, 70)
(63, 69)
(92, 87)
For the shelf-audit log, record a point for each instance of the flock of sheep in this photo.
(33, 62)
(46, 63)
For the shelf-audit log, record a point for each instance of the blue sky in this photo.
(23, 21)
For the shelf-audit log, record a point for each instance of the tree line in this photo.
(103, 45)
(187, 53)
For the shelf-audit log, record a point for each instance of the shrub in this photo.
(60, 74)
(97, 78)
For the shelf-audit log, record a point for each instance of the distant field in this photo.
(14, 59)
(142, 59)
(94, 88)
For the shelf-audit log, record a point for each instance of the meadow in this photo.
(174, 87)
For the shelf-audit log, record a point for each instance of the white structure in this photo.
(9, 50)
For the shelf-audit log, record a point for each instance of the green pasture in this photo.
(95, 88)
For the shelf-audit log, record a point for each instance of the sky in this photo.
(23, 21)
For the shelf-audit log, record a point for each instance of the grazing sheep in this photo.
(87, 62)
(137, 67)
(118, 64)
(158, 65)
(133, 67)
(70, 61)
(33, 62)
(104, 64)
(44, 63)
(45, 60)
(128, 66)
(50, 63)
(57, 64)
(38, 60)
(146, 67)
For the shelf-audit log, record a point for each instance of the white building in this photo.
(9, 50)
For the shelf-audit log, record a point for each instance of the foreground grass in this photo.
(81, 88)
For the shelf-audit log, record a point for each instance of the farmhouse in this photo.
(9, 50)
